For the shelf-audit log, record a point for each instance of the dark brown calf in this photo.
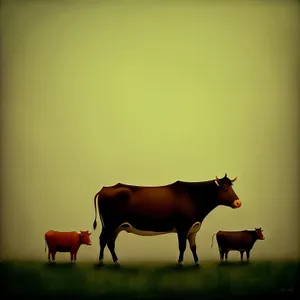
(242, 241)
(66, 242)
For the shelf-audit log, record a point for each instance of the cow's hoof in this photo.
(180, 265)
(117, 265)
(197, 264)
(100, 264)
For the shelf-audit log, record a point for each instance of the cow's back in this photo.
(148, 200)
(145, 207)
(153, 200)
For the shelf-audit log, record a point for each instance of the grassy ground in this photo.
(211, 281)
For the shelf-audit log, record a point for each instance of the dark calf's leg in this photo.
(193, 247)
(248, 255)
(182, 247)
(102, 242)
(222, 252)
(49, 256)
(226, 255)
(242, 254)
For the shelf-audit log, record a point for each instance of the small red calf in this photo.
(65, 242)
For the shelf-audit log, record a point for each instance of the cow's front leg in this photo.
(193, 247)
(182, 247)
(74, 257)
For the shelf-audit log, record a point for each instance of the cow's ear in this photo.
(217, 182)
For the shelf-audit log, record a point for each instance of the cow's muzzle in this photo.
(236, 203)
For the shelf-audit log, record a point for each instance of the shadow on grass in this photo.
(130, 270)
(147, 269)
(176, 268)
(60, 265)
(98, 266)
(233, 263)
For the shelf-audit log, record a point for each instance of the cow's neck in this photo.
(254, 236)
(204, 195)
(80, 242)
(204, 209)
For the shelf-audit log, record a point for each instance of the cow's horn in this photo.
(233, 180)
(217, 178)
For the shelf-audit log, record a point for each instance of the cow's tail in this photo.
(95, 208)
(212, 239)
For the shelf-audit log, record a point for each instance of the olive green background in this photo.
(148, 92)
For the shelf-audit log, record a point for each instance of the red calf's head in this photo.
(85, 237)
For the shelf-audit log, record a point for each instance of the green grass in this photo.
(211, 281)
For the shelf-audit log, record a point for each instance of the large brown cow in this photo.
(242, 241)
(66, 242)
(179, 207)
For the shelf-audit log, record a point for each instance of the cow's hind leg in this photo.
(111, 241)
(102, 242)
(193, 247)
